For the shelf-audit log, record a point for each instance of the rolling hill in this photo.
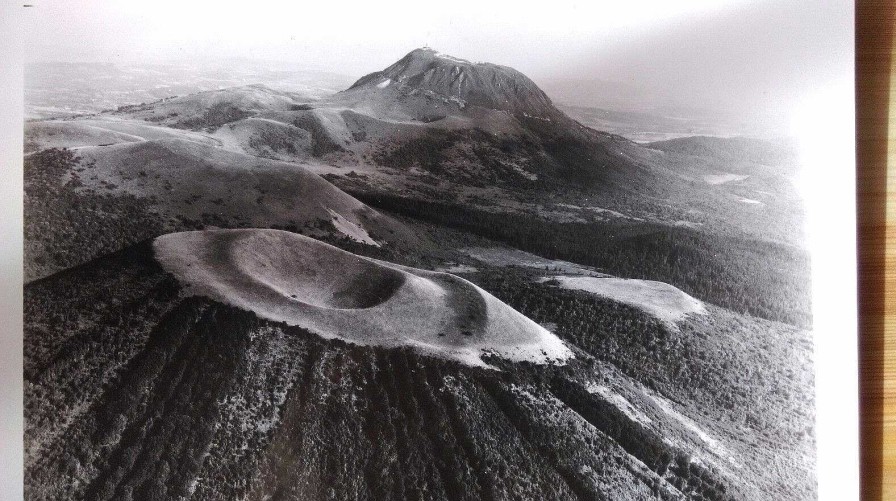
(83, 203)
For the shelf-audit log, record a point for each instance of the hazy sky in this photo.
(726, 54)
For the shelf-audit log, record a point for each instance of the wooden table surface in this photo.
(876, 156)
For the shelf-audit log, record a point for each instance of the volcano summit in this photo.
(467, 84)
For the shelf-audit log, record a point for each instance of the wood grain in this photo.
(877, 245)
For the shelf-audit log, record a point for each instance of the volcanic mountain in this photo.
(427, 72)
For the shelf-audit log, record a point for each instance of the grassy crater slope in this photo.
(304, 282)
(85, 203)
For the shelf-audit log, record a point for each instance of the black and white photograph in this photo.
(429, 251)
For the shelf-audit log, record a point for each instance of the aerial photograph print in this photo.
(411, 251)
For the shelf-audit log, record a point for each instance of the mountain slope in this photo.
(78, 207)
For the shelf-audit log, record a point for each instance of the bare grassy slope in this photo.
(99, 131)
(658, 299)
(188, 180)
(154, 187)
